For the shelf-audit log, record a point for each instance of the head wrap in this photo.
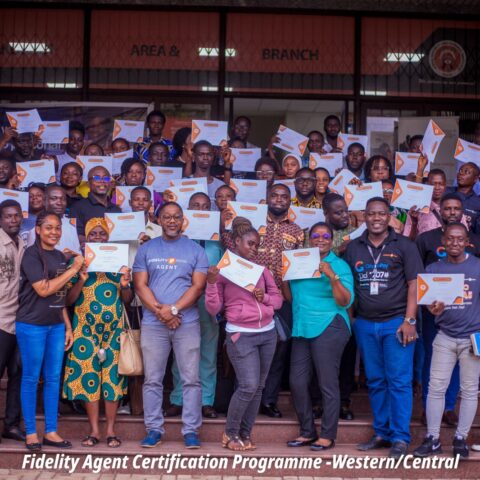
(292, 155)
(95, 222)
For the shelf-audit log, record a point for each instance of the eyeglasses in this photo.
(301, 180)
(98, 178)
(325, 236)
(388, 190)
(169, 218)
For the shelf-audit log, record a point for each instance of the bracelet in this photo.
(336, 277)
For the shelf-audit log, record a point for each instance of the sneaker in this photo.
(124, 410)
(191, 440)
(399, 449)
(430, 446)
(152, 439)
(460, 447)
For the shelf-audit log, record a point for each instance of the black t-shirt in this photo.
(34, 309)
(431, 249)
(398, 263)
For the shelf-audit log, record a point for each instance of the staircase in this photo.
(269, 434)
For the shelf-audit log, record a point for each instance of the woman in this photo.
(91, 369)
(251, 336)
(291, 165)
(71, 176)
(378, 168)
(36, 204)
(321, 329)
(43, 327)
(133, 172)
(266, 169)
(323, 180)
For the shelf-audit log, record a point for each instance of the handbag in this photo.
(284, 331)
(130, 360)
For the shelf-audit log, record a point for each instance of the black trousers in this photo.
(322, 353)
(10, 360)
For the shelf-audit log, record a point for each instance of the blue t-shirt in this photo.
(170, 265)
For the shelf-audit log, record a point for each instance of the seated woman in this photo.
(91, 369)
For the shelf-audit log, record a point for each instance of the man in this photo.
(280, 235)
(97, 202)
(305, 181)
(7, 171)
(155, 123)
(452, 344)
(56, 202)
(241, 130)
(76, 141)
(169, 275)
(355, 159)
(385, 267)
(414, 143)
(11, 253)
(467, 177)
(25, 150)
(208, 333)
(332, 126)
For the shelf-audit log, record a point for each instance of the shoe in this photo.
(124, 410)
(14, 433)
(374, 443)
(346, 413)
(209, 412)
(173, 410)
(316, 447)
(191, 440)
(34, 447)
(475, 447)
(270, 410)
(430, 446)
(317, 412)
(423, 418)
(301, 443)
(152, 439)
(460, 447)
(62, 444)
(398, 449)
(450, 418)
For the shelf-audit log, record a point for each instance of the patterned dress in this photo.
(96, 324)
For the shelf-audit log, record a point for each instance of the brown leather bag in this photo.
(130, 360)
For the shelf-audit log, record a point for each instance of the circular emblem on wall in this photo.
(447, 59)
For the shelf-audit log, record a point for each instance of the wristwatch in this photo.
(174, 310)
(410, 320)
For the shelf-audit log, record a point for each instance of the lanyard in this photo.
(375, 260)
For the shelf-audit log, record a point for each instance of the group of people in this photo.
(62, 323)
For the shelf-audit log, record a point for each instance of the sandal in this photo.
(90, 441)
(232, 443)
(247, 441)
(113, 442)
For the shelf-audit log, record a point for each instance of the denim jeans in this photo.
(251, 355)
(41, 349)
(157, 340)
(389, 370)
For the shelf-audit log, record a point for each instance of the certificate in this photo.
(201, 225)
(190, 182)
(55, 132)
(26, 121)
(290, 183)
(291, 141)
(182, 195)
(344, 140)
(446, 288)
(253, 191)
(125, 226)
(87, 162)
(406, 162)
(356, 196)
(40, 171)
(130, 130)
(344, 177)
(356, 233)
(239, 271)
(432, 138)
(210, 130)
(20, 197)
(118, 159)
(331, 161)
(409, 194)
(122, 197)
(244, 159)
(467, 152)
(305, 217)
(159, 177)
(299, 264)
(255, 212)
(106, 257)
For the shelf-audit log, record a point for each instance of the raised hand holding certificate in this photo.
(201, 225)
(253, 191)
(159, 177)
(212, 131)
(467, 152)
(125, 226)
(255, 212)
(406, 162)
(439, 287)
(26, 121)
(87, 162)
(244, 159)
(299, 264)
(55, 132)
(291, 141)
(431, 141)
(39, 171)
(239, 271)
(331, 161)
(130, 130)
(409, 194)
(106, 257)
(305, 217)
(356, 196)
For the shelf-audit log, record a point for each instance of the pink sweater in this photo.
(240, 306)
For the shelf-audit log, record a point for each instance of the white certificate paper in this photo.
(159, 177)
(406, 162)
(344, 140)
(20, 197)
(305, 217)
(87, 162)
(299, 264)
(125, 226)
(130, 130)
(432, 138)
(344, 177)
(239, 271)
(190, 182)
(40, 171)
(182, 195)
(408, 194)
(244, 159)
(291, 141)
(331, 161)
(356, 233)
(55, 132)
(253, 191)
(440, 287)
(118, 159)
(122, 197)
(255, 212)
(467, 152)
(290, 183)
(210, 130)
(201, 225)
(106, 257)
(26, 121)
(356, 196)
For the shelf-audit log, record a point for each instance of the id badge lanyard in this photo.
(375, 285)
